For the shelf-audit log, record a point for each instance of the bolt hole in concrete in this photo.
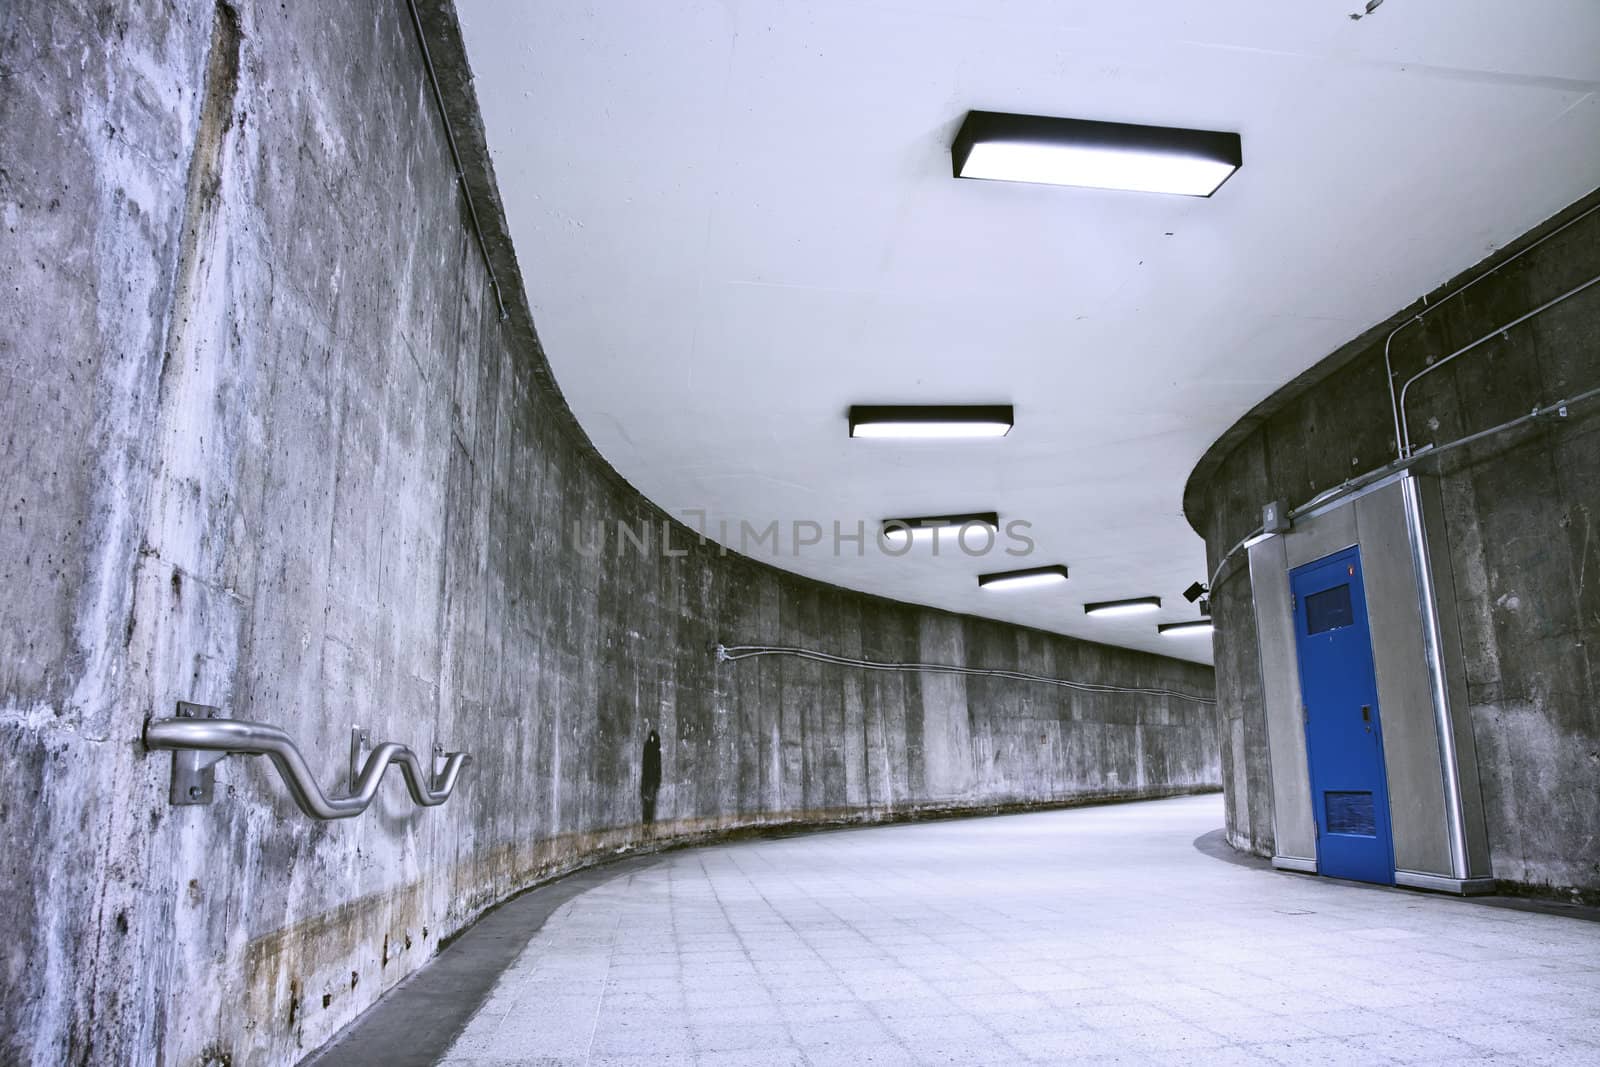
(1084, 935)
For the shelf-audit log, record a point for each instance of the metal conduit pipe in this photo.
(1394, 404)
(1405, 427)
(219, 738)
(1360, 481)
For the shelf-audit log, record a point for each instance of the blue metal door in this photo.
(1344, 739)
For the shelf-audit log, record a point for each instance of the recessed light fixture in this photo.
(1183, 629)
(1133, 606)
(1024, 579)
(1097, 155)
(946, 421)
(895, 531)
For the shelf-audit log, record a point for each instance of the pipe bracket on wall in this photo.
(199, 737)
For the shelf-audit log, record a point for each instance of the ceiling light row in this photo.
(993, 146)
(964, 421)
(931, 422)
(926, 529)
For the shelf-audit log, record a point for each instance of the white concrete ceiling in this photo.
(737, 218)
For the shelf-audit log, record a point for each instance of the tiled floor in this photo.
(1089, 935)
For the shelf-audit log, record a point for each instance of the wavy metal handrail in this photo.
(198, 743)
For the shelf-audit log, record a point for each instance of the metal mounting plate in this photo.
(360, 743)
(194, 773)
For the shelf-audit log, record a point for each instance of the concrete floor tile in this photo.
(1082, 936)
(921, 1007)
(1070, 1045)
(974, 985)
(1125, 1014)
(984, 1004)
(1049, 1021)
(899, 989)
(1258, 1029)
(713, 998)
(877, 1055)
(1323, 1051)
(1510, 1039)
(821, 993)
(977, 1054)
(752, 1015)
(781, 1056)
(1050, 983)
(824, 1011)
(750, 1035)
(639, 1042)
(931, 1030)
(1230, 1056)
(842, 1035)
(1087, 997)
(1583, 1028)
(1167, 1039)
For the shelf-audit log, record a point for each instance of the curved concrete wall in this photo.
(1522, 517)
(270, 446)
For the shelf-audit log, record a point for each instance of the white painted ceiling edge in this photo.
(737, 218)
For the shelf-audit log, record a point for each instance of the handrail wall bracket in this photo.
(200, 736)
(194, 772)
(360, 743)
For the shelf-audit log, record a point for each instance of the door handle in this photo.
(1366, 716)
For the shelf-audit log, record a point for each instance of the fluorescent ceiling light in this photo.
(1182, 629)
(1024, 579)
(1098, 155)
(923, 530)
(947, 421)
(1133, 606)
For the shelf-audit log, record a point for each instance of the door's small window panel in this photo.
(1351, 813)
(1329, 610)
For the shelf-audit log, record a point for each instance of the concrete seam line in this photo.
(733, 653)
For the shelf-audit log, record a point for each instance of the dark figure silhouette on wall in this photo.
(650, 780)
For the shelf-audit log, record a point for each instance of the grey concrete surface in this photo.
(270, 446)
(418, 1021)
(1521, 515)
(1095, 935)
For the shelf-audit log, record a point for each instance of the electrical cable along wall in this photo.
(1486, 389)
(735, 653)
(987, 716)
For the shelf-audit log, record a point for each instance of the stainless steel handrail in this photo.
(218, 738)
